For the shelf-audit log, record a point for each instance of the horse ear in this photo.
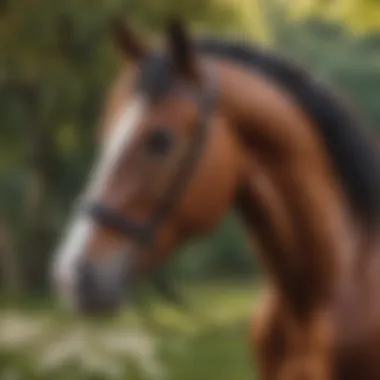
(126, 41)
(181, 49)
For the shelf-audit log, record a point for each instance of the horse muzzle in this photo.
(98, 286)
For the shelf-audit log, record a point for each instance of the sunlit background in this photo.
(56, 61)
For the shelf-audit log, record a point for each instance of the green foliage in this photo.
(226, 252)
(359, 16)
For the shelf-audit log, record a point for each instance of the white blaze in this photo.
(81, 226)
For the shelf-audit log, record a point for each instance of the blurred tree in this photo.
(253, 20)
(360, 16)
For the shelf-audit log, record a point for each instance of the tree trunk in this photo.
(39, 210)
(9, 262)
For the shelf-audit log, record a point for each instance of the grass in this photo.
(210, 343)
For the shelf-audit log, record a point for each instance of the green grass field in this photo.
(160, 343)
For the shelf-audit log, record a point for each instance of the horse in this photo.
(200, 126)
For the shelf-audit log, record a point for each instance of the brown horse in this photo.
(207, 125)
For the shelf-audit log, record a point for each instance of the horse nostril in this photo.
(96, 292)
(86, 282)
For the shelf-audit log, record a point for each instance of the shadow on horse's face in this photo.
(168, 169)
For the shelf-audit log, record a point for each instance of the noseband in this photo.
(145, 233)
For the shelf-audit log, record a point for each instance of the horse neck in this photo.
(290, 199)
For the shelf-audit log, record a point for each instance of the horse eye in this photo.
(159, 142)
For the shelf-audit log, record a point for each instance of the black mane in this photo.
(353, 154)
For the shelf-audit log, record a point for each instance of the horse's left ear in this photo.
(181, 49)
